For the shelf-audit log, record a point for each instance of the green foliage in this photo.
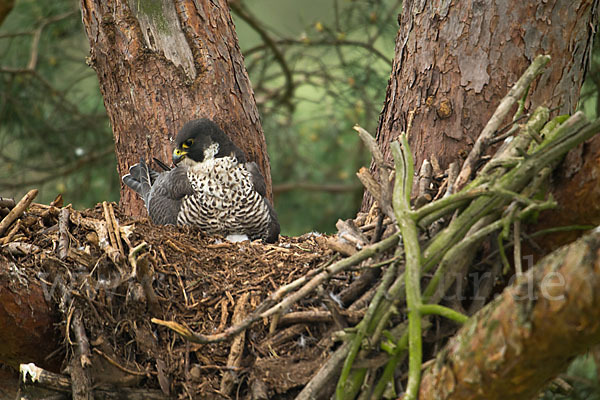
(54, 133)
(582, 376)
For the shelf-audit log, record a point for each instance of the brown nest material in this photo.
(109, 275)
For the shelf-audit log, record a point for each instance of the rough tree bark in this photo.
(161, 63)
(454, 62)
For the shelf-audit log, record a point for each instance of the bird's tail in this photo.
(140, 178)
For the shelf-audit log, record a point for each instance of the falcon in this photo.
(212, 187)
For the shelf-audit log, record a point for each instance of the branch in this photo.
(18, 210)
(324, 42)
(243, 13)
(64, 171)
(528, 334)
(402, 190)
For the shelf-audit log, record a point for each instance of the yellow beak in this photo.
(178, 155)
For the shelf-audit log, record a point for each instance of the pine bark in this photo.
(454, 61)
(163, 63)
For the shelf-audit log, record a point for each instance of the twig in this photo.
(145, 276)
(315, 316)
(345, 387)
(325, 375)
(63, 233)
(132, 257)
(119, 366)
(116, 227)
(517, 247)
(20, 248)
(514, 95)
(239, 8)
(236, 349)
(385, 200)
(17, 210)
(103, 238)
(31, 373)
(81, 382)
(111, 229)
(436, 309)
(11, 234)
(402, 191)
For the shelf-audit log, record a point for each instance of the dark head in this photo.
(202, 138)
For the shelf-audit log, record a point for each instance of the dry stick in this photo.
(287, 302)
(109, 226)
(81, 382)
(145, 276)
(11, 234)
(325, 375)
(122, 368)
(63, 233)
(237, 346)
(31, 374)
(103, 238)
(514, 95)
(371, 185)
(317, 316)
(385, 202)
(115, 224)
(425, 178)
(21, 248)
(17, 210)
(517, 248)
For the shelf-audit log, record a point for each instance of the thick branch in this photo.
(513, 346)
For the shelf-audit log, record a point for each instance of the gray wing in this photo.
(166, 195)
(258, 181)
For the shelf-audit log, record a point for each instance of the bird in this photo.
(212, 186)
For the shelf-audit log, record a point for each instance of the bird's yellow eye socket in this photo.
(188, 143)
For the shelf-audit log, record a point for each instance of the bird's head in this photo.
(200, 140)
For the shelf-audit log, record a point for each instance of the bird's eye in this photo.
(188, 143)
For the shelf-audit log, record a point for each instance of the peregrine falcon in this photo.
(212, 187)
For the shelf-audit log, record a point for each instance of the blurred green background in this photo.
(55, 135)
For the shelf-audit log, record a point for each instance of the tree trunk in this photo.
(454, 62)
(162, 63)
(527, 335)
(27, 320)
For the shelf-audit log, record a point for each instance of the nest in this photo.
(177, 274)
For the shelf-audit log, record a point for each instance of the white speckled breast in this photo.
(224, 200)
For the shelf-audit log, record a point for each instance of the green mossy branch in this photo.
(412, 253)
(508, 189)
